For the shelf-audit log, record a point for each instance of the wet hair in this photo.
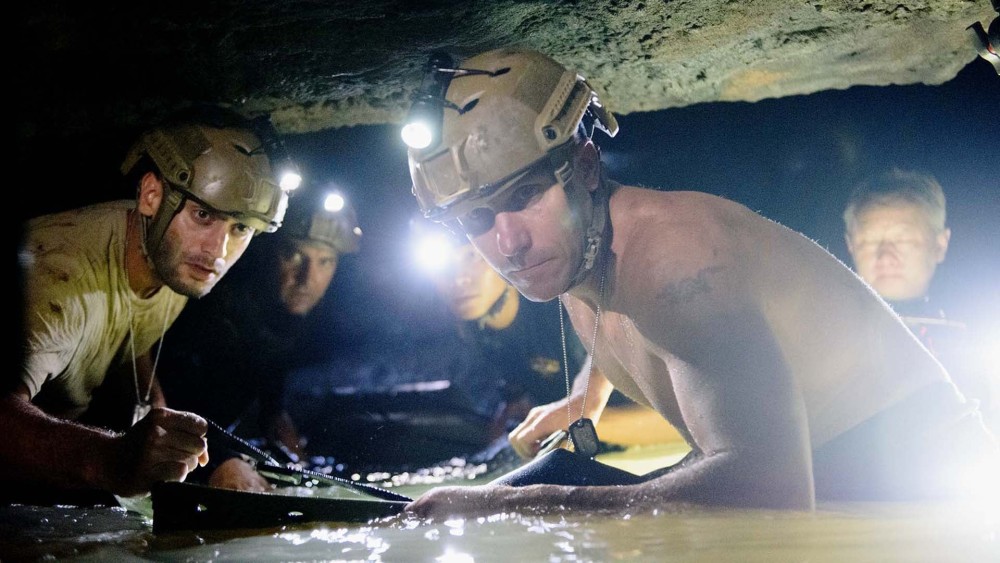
(894, 187)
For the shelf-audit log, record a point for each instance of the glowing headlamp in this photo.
(286, 170)
(334, 202)
(434, 253)
(422, 128)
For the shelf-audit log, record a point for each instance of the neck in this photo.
(141, 278)
(587, 286)
(502, 314)
(596, 243)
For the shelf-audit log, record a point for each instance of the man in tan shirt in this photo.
(102, 284)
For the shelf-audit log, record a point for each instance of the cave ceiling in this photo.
(312, 65)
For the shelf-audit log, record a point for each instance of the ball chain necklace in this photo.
(582, 432)
(142, 403)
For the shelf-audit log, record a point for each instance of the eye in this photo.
(242, 230)
(477, 221)
(523, 196)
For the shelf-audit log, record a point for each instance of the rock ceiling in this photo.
(84, 67)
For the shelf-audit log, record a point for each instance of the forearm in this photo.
(596, 386)
(721, 480)
(39, 448)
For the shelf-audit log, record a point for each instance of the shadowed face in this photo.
(470, 287)
(896, 250)
(306, 270)
(536, 245)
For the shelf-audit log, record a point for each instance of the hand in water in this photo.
(442, 502)
(164, 446)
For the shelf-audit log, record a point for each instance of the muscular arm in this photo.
(700, 312)
(44, 450)
(543, 420)
(744, 414)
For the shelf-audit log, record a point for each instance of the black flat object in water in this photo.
(192, 507)
(563, 467)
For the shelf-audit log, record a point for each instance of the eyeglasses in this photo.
(518, 194)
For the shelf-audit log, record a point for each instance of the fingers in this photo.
(168, 444)
(526, 438)
(180, 421)
(168, 471)
(183, 432)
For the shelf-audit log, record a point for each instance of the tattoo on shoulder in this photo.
(687, 289)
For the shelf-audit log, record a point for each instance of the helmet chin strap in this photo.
(154, 228)
(595, 233)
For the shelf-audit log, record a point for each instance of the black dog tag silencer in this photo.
(584, 437)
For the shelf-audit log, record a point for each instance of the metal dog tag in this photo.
(584, 437)
(140, 412)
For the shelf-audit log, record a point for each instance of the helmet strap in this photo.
(594, 240)
(156, 227)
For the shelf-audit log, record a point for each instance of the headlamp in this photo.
(286, 170)
(988, 43)
(422, 128)
(334, 202)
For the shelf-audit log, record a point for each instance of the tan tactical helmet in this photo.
(224, 168)
(327, 218)
(525, 108)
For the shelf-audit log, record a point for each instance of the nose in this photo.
(513, 239)
(216, 242)
(303, 271)
(886, 250)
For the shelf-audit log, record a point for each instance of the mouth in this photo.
(202, 272)
(526, 272)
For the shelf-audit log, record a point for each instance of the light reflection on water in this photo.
(834, 532)
(842, 532)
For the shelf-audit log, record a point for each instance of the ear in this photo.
(942, 244)
(150, 194)
(587, 165)
(851, 249)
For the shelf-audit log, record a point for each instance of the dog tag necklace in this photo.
(142, 402)
(582, 432)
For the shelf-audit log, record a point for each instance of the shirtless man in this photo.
(788, 377)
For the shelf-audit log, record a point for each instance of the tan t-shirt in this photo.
(77, 312)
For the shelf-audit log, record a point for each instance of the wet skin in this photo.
(720, 320)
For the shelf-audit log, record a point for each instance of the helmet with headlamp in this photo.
(327, 217)
(226, 169)
(504, 114)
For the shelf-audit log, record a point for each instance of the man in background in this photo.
(230, 353)
(897, 235)
(515, 344)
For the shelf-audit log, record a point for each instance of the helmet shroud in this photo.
(524, 109)
(225, 169)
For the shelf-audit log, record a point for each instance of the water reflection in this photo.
(842, 532)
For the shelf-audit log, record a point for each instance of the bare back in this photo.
(714, 314)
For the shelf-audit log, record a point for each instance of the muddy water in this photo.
(834, 532)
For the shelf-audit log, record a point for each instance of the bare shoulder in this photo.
(674, 246)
